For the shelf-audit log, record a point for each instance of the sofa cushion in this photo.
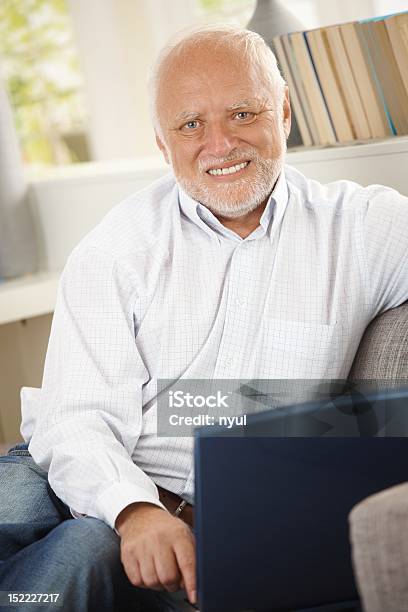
(383, 350)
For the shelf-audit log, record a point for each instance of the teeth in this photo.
(231, 170)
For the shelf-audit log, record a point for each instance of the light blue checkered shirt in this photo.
(161, 289)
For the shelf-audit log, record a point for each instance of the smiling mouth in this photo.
(229, 170)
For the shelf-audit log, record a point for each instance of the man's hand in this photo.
(157, 549)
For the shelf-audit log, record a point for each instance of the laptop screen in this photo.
(273, 498)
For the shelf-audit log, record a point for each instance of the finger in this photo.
(167, 570)
(185, 554)
(131, 567)
(148, 573)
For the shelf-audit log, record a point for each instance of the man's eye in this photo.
(244, 115)
(191, 125)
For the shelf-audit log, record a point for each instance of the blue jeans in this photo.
(44, 550)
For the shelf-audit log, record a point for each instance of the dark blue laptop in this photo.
(273, 499)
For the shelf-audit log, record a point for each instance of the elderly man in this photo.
(233, 266)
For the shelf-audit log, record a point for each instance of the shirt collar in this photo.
(206, 220)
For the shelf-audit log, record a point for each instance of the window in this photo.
(238, 11)
(40, 69)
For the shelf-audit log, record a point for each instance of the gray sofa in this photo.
(379, 524)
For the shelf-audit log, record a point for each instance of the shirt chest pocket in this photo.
(302, 349)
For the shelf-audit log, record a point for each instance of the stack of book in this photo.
(348, 82)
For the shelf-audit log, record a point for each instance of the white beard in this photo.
(232, 200)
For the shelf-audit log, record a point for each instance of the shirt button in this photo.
(228, 361)
(240, 303)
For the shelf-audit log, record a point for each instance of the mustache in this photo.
(235, 155)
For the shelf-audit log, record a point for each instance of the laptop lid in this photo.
(273, 498)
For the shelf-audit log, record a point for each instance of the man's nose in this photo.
(220, 140)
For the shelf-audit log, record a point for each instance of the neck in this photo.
(245, 224)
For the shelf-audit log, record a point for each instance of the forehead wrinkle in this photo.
(183, 115)
(245, 103)
(187, 74)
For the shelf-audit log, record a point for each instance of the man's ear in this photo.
(162, 147)
(286, 113)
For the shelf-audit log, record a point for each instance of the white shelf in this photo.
(29, 296)
(379, 161)
(362, 148)
(91, 172)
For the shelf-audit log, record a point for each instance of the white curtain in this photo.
(17, 239)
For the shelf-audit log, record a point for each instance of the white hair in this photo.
(253, 46)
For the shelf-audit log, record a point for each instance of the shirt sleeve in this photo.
(90, 417)
(385, 229)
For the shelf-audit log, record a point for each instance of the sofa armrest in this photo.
(379, 539)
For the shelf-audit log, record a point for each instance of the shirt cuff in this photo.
(76, 514)
(114, 499)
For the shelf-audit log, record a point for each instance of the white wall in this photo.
(115, 51)
(385, 7)
(337, 11)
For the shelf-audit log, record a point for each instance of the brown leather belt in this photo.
(177, 506)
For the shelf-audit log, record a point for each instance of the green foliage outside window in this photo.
(39, 66)
(225, 10)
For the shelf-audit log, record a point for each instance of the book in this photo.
(347, 83)
(316, 101)
(327, 75)
(365, 81)
(294, 96)
(397, 28)
(307, 113)
(395, 98)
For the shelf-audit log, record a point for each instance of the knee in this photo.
(22, 490)
(89, 543)
(27, 512)
(87, 554)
